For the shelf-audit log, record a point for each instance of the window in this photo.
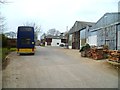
(25, 41)
(26, 29)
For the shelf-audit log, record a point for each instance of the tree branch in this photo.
(2, 2)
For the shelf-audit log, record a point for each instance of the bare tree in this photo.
(11, 34)
(2, 19)
(2, 24)
(2, 1)
(37, 28)
(53, 32)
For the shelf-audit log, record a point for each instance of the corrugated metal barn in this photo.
(84, 35)
(107, 31)
(74, 34)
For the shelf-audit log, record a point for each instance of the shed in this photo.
(107, 30)
(74, 33)
(55, 40)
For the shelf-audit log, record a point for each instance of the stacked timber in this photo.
(114, 56)
(94, 52)
(97, 53)
(88, 53)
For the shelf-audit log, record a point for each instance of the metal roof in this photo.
(106, 20)
(79, 25)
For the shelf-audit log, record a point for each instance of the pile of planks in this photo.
(97, 53)
(94, 52)
(114, 55)
(86, 53)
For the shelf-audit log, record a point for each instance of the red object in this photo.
(32, 49)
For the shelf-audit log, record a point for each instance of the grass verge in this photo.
(4, 52)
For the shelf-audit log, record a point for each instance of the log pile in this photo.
(97, 53)
(86, 53)
(94, 52)
(114, 55)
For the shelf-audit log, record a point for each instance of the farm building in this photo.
(84, 35)
(55, 40)
(106, 31)
(74, 34)
(42, 39)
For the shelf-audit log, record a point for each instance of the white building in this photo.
(55, 40)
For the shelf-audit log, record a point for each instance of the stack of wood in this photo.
(83, 53)
(94, 52)
(97, 53)
(114, 55)
(86, 53)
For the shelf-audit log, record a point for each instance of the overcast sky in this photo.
(55, 13)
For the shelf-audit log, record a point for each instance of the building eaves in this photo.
(78, 25)
(107, 19)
